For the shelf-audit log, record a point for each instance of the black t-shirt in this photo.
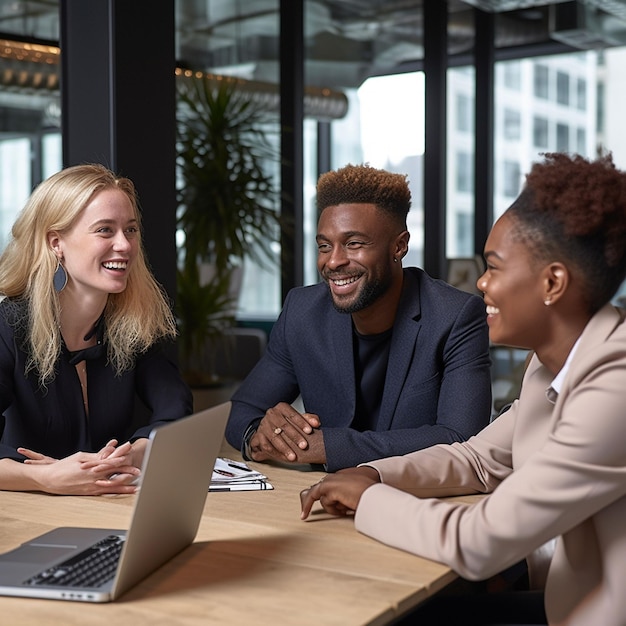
(371, 355)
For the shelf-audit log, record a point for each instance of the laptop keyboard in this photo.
(90, 568)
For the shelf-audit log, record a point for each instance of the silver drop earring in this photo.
(59, 280)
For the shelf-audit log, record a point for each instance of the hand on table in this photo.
(339, 493)
(288, 436)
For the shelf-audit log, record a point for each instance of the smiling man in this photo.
(386, 359)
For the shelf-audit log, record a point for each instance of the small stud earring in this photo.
(395, 260)
(547, 302)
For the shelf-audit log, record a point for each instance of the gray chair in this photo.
(237, 351)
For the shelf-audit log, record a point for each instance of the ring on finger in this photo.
(278, 430)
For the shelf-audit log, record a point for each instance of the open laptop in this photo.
(175, 478)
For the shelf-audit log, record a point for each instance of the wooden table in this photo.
(253, 562)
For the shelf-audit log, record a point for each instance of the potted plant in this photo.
(227, 208)
(204, 313)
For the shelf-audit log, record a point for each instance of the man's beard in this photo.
(372, 291)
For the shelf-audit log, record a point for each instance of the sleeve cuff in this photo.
(245, 446)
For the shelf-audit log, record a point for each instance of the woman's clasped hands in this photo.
(108, 471)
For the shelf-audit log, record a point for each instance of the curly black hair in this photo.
(363, 184)
(574, 210)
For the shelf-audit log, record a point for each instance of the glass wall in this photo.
(30, 113)
(567, 102)
(545, 104)
(460, 163)
(26, 158)
(237, 39)
(384, 127)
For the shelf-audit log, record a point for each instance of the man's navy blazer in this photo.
(437, 387)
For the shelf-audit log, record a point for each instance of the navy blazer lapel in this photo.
(403, 340)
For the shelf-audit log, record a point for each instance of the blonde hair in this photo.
(134, 319)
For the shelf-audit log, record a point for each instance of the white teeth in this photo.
(115, 265)
(345, 281)
(492, 310)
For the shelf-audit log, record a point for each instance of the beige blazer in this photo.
(551, 471)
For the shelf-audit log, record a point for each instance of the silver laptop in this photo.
(168, 507)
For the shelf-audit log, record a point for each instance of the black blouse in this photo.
(53, 421)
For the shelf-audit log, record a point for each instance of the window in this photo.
(540, 132)
(25, 160)
(512, 179)
(581, 141)
(465, 113)
(581, 94)
(562, 138)
(464, 234)
(541, 76)
(460, 155)
(15, 181)
(600, 117)
(562, 88)
(386, 130)
(512, 75)
(464, 172)
(512, 124)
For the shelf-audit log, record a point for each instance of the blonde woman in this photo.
(82, 323)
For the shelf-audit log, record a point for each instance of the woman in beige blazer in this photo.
(553, 465)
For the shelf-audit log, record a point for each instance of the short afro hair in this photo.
(363, 184)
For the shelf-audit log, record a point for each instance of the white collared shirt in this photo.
(554, 389)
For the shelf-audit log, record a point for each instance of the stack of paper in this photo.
(231, 475)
